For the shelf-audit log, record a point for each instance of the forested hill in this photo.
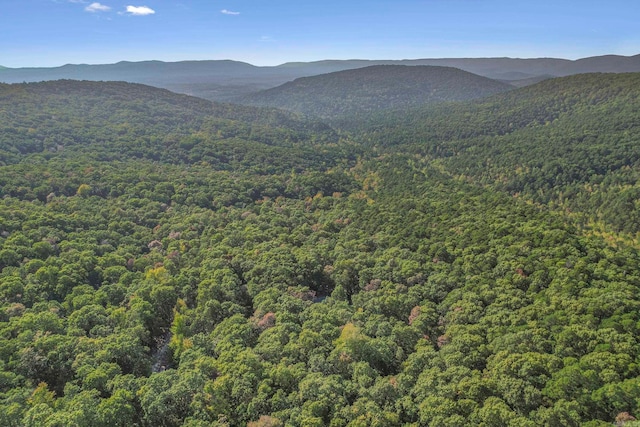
(375, 88)
(116, 120)
(165, 261)
(573, 141)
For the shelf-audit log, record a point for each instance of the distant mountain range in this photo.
(222, 80)
(207, 79)
(375, 88)
(495, 68)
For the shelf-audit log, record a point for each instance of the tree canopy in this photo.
(166, 261)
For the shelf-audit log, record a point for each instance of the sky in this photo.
(48, 33)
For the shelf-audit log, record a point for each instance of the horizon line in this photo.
(2, 67)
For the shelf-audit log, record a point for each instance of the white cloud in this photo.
(97, 7)
(229, 12)
(140, 10)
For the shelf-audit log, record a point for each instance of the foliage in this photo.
(312, 282)
(569, 142)
(353, 93)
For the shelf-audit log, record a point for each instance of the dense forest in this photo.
(381, 87)
(167, 261)
(571, 142)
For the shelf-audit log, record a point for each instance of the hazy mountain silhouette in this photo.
(221, 80)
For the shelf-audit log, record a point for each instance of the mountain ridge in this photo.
(225, 79)
(375, 88)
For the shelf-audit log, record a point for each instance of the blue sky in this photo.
(270, 32)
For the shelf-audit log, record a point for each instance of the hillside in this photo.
(572, 141)
(382, 87)
(224, 79)
(528, 81)
(134, 120)
(167, 261)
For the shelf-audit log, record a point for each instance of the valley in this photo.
(393, 246)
